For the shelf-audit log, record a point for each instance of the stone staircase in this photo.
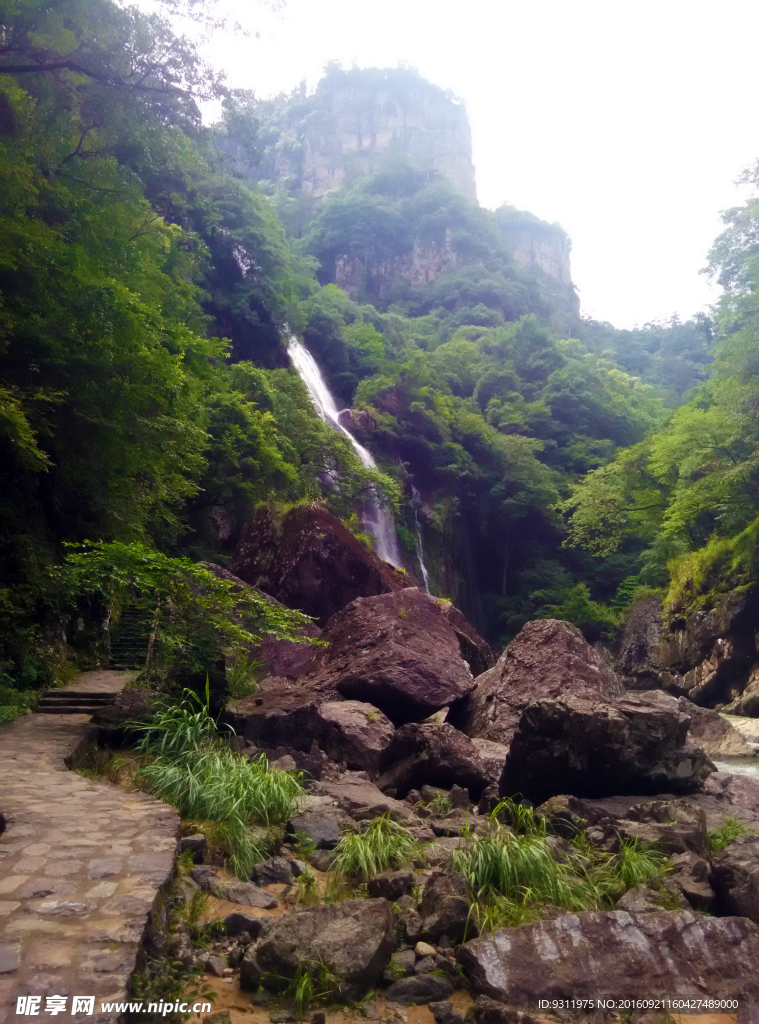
(72, 702)
(129, 640)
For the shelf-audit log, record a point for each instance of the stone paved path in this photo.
(81, 864)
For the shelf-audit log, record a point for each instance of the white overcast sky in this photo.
(626, 122)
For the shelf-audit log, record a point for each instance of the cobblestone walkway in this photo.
(81, 863)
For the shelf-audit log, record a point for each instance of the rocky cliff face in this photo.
(357, 118)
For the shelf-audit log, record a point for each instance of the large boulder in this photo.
(395, 651)
(308, 560)
(293, 717)
(434, 754)
(475, 651)
(548, 659)
(638, 656)
(714, 734)
(354, 733)
(735, 877)
(616, 954)
(361, 799)
(354, 939)
(592, 748)
(445, 907)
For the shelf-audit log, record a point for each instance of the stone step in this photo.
(68, 709)
(101, 695)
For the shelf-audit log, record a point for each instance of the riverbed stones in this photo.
(594, 748)
(420, 988)
(320, 820)
(616, 954)
(353, 938)
(547, 659)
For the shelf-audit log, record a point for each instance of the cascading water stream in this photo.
(376, 519)
(419, 545)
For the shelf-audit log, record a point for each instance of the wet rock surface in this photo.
(434, 754)
(81, 867)
(396, 652)
(548, 659)
(637, 661)
(593, 748)
(354, 938)
(735, 877)
(638, 954)
(308, 560)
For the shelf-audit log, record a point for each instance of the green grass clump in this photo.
(385, 844)
(718, 838)
(180, 729)
(313, 981)
(195, 771)
(512, 873)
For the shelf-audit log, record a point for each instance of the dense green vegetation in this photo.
(150, 270)
(689, 490)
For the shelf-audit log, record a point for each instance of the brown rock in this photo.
(490, 1011)
(735, 877)
(713, 733)
(445, 908)
(362, 799)
(548, 659)
(475, 651)
(395, 651)
(354, 733)
(308, 560)
(438, 755)
(638, 657)
(594, 749)
(616, 954)
(354, 939)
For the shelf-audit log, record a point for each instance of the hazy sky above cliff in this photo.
(626, 122)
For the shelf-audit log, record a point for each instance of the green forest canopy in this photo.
(148, 284)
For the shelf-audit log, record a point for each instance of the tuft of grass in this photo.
(383, 845)
(182, 728)
(441, 804)
(305, 890)
(195, 771)
(513, 874)
(313, 981)
(635, 864)
(241, 678)
(519, 818)
(718, 838)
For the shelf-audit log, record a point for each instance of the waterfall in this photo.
(375, 517)
(419, 546)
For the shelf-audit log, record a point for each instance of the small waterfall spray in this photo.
(419, 546)
(376, 519)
